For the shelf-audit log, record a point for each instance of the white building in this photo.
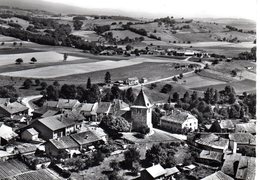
(177, 121)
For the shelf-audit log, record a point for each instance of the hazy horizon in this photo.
(145, 8)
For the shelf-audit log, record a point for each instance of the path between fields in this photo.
(26, 101)
(167, 78)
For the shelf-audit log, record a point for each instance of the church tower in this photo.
(141, 112)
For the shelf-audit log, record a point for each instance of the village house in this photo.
(212, 142)
(141, 112)
(57, 126)
(65, 146)
(245, 142)
(89, 111)
(222, 126)
(156, 172)
(231, 161)
(103, 109)
(218, 176)
(120, 108)
(246, 169)
(14, 110)
(30, 135)
(178, 121)
(132, 81)
(211, 158)
(86, 139)
(60, 105)
(246, 128)
(6, 134)
(143, 80)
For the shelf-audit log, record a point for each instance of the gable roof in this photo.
(32, 131)
(4, 100)
(13, 108)
(218, 176)
(67, 103)
(243, 138)
(85, 137)
(6, 132)
(142, 100)
(246, 127)
(211, 155)
(156, 171)
(87, 107)
(64, 142)
(104, 107)
(50, 113)
(226, 124)
(52, 122)
(228, 165)
(178, 117)
(53, 104)
(212, 140)
(246, 168)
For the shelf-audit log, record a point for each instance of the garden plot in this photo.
(71, 69)
(42, 57)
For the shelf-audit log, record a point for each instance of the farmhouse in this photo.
(218, 176)
(245, 142)
(141, 112)
(246, 168)
(89, 111)
(222, 126)
(30, 135)
(246, 128)
(12, 110)
(211, 158)
(132, 81)
(153, 172)
(64, 146)
(86, 139)
(212, 142)
(178, 121)
(57, 126)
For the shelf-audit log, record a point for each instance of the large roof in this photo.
(228, 165)
(64, 142)
(178, 117)
(85, 137)
(156, 171)
(6, 132)
(87, 107)
(243, 138)
(211, 155)
(103, 107)
(218, 176)
(212, 140)
(246, 127)
(52, 122)
(14, 107)
(226, 124)
(67, 103)
(142, 100)
(246, 168)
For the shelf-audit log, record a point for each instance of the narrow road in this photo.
(26, 101)
(167, 78)
(177, 136)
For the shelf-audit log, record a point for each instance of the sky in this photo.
(177, 8)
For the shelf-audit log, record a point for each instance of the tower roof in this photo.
(142, 100)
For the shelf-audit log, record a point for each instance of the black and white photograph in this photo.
(128, 90)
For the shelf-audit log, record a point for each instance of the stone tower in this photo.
(141, 112)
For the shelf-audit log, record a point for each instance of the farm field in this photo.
(122, 34)
(42, 57)
(71, 69)
(239, 86)
(7, 38)
(87, 35)
(194, 81)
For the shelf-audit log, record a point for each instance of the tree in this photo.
(194, 96)
(33, 60)
(114, 165)
(128, 47)
(89, 83)
(131, 155)
(130, 95)
(113, 125)
(175, 97)
(232, 98)
(186, 97)
(19, 61)
(56, 83)
(14, 43)
(156, 155)
(107, 78)
(27, 84)
(135, 168)
(65, 57)
(180, 75)
(44, 85)
(77, 24)
(37, 82)
(52, 93)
